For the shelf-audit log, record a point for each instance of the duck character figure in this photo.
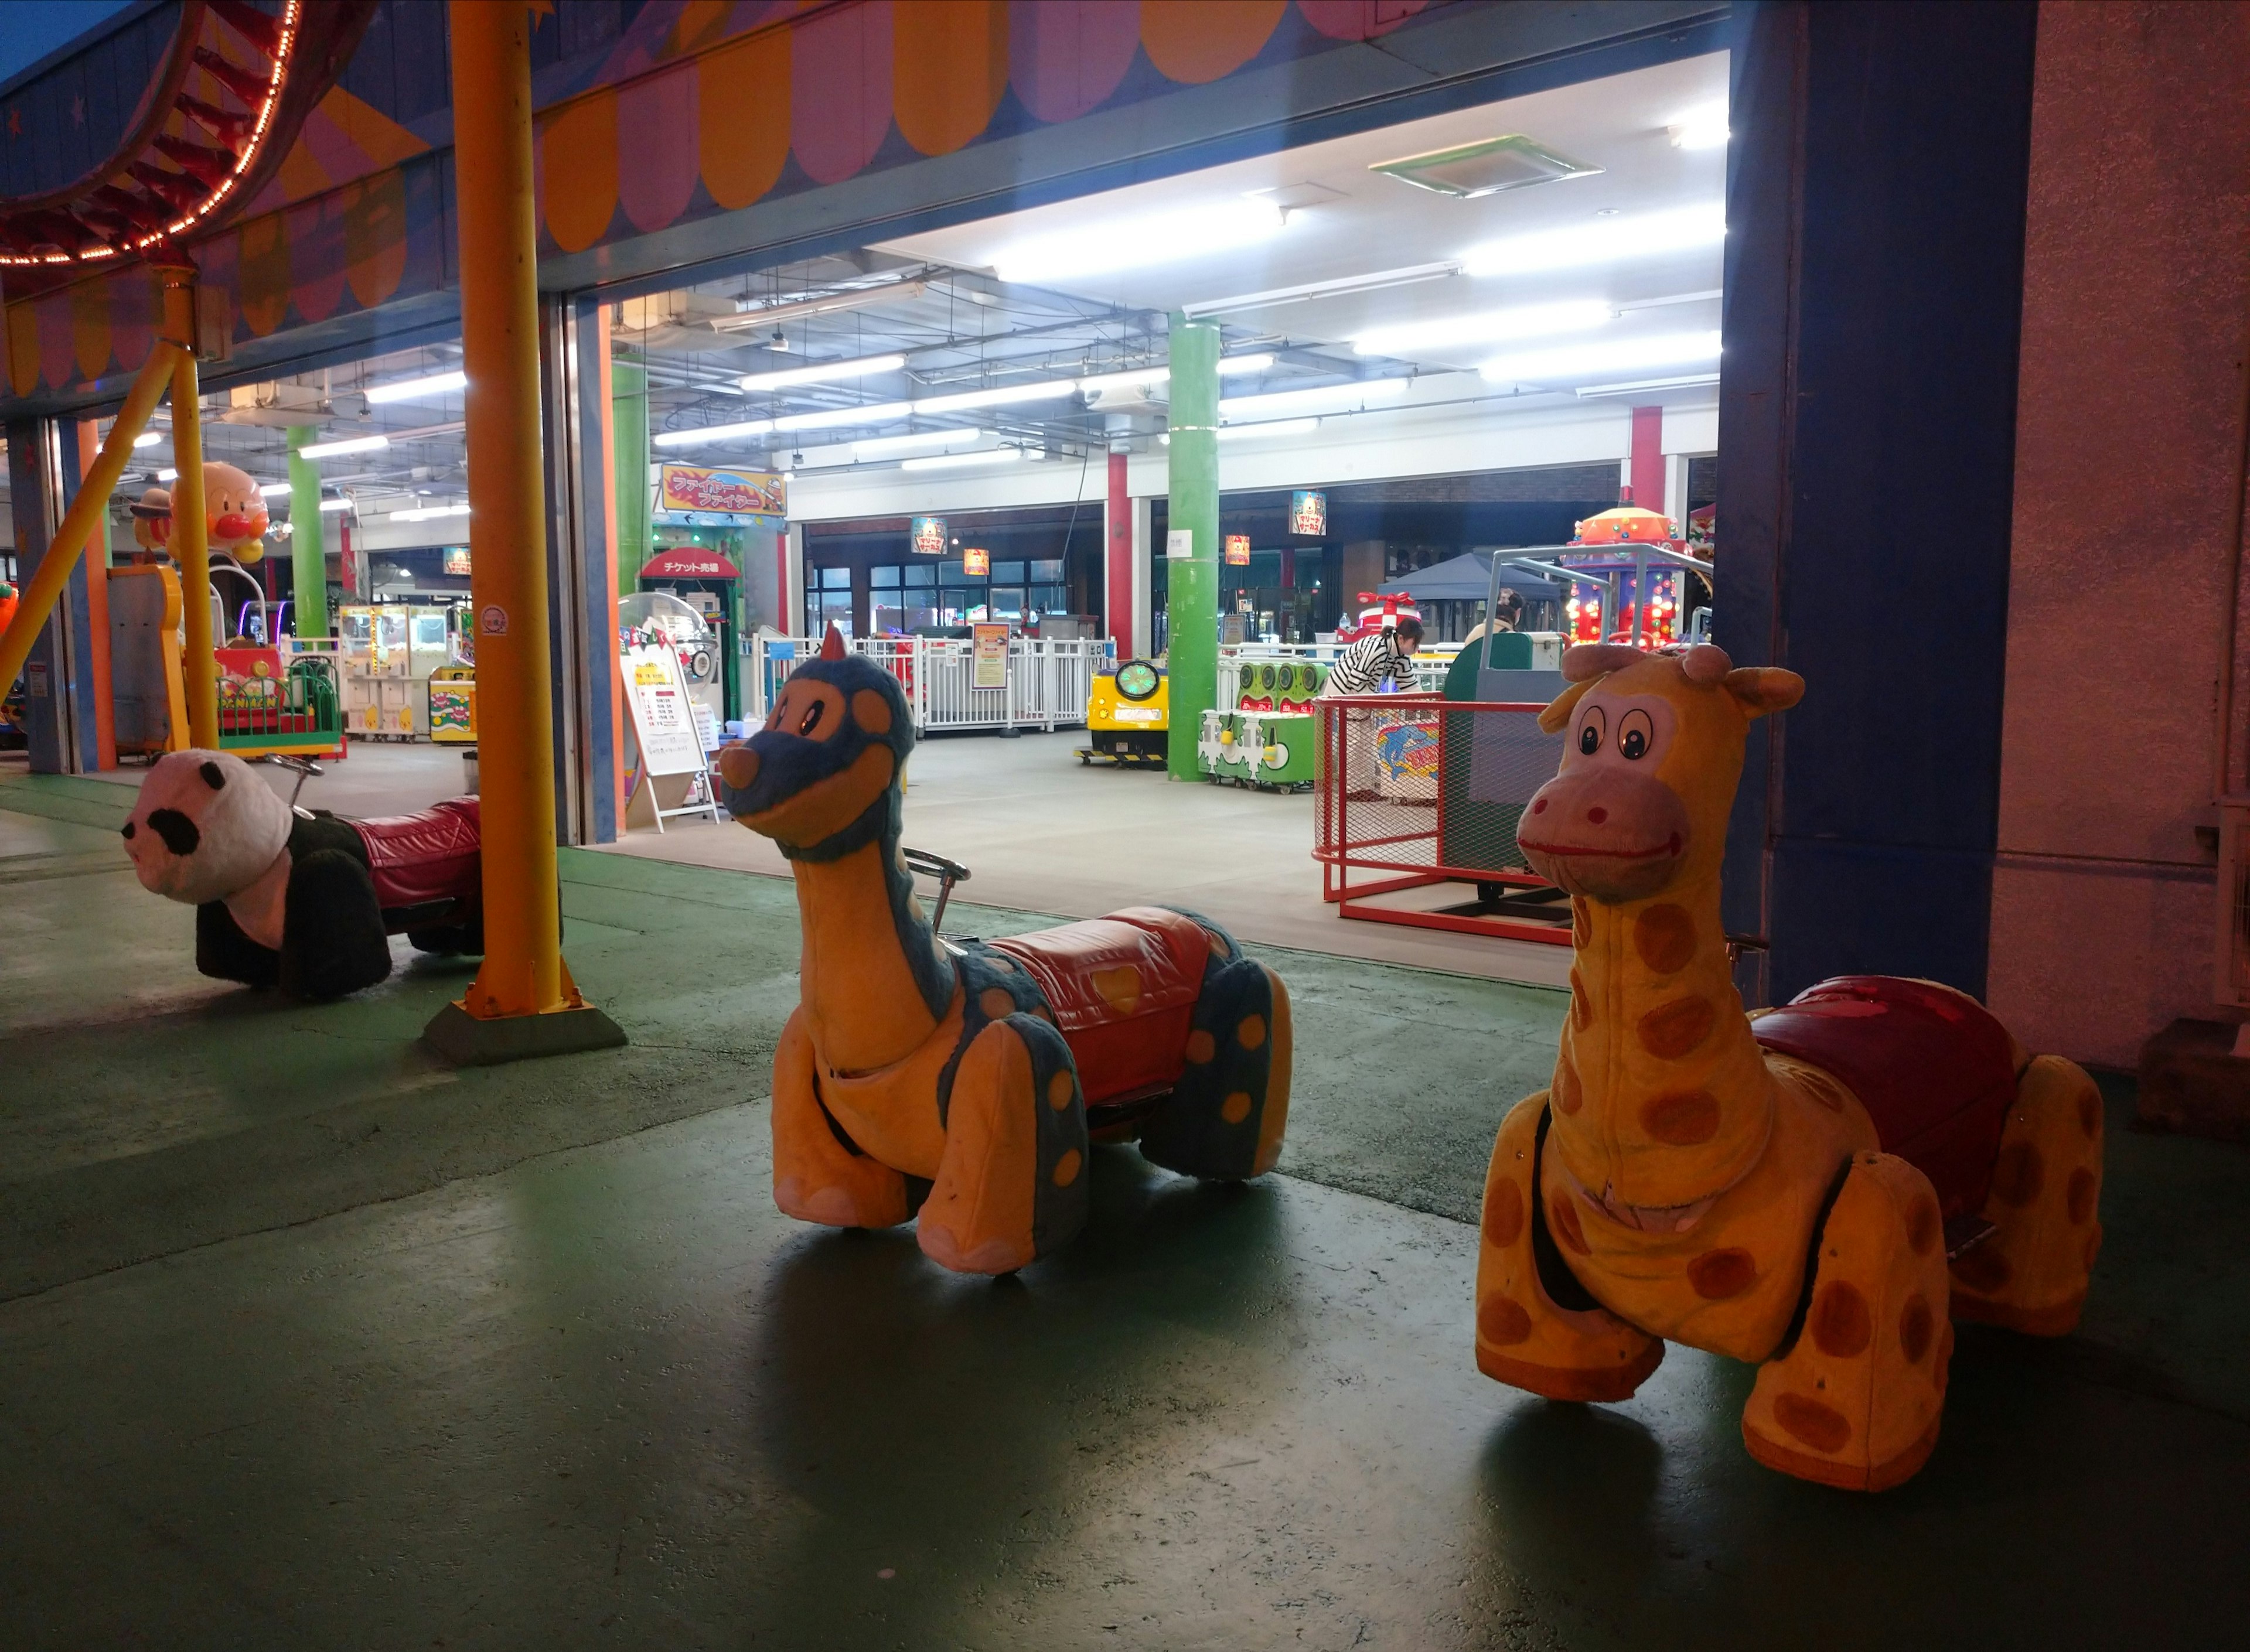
(963, 1082)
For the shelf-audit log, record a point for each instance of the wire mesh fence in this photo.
(1415, 792)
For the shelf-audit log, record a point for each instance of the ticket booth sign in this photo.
(1309, 512)
(696, 488)
(926, 535)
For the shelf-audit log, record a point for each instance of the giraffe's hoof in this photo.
(943, 1246)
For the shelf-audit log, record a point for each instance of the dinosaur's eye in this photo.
(1635, 735)
(1590, 727)
(811, 720)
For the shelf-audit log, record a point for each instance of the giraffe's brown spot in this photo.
(1252, 1032)
(1582, 920)
(1059, 1091)
(1717, 1275)
(1811, 1423)
(1119, 987)
(1916, 1323)
(1683, 1119)
(2019, 1174)
(2090, 1111)
(738, 766)
(1568, 1096)
(1503, 1215)
(1664, 935)
(1200, 1047)
(1582, 1007)
(871, 711)
(1563, 1219)
(1066, 1170)
(1236, 1107)
(995, 1002)
(1842, 1326)
(1501, 1321)
(1669, 1031)
(2080, 1196)
(1983, 1269)
(1922, 1227)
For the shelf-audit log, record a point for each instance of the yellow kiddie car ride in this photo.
(1128, 714)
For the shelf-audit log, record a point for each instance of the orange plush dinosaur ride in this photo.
(1786, 1188)
(965, 1080)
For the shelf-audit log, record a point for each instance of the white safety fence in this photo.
(1046, 687)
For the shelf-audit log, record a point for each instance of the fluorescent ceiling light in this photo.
(998, 396)
(1328, 398)
(822, 372)
(1275, 427)
(415, 389)
(1637, 387)
(348, 444)
(1231, 365)
(272, 490)
(872, 413)
(884, 447)
(954, 461)
(1610, 356)
(1703, 128)
(167, 474)
(712, 433)
(148, 438)
(857, 297)
(1406, 276)
(1162, 238)
(1524, 322)
(1648, 235)
(335, 504)
(427, 512)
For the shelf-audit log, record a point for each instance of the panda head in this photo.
(205, 827)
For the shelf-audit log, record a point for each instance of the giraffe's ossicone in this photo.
(1819, 1189)
(962, 1083)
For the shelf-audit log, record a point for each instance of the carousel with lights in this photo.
(1635, 579)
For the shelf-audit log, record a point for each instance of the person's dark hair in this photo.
(1409, 626)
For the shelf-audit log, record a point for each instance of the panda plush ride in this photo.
(299, 898)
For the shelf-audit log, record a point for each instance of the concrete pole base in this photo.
(467, 1041)
(2193, 1081)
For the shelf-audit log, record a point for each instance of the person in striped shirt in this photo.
(1373, 664)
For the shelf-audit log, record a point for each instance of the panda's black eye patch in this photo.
(178, 832)
(214, 776)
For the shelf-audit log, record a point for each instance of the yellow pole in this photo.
(522, 973)
(85, 513)
(191, 541)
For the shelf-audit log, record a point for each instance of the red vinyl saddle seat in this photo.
(1123, 989)
(434, 854)
(1934, 1070)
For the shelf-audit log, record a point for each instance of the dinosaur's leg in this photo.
(1853, 1398)
(818, 1174)
(1536, 1326)
(1012, 1183)
(1224, 1118)
(2031, 1274)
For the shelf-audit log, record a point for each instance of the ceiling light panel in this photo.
(821, 372)
(874, 413)
(997, 396)
(1164, 238)
(712, 433)
(1703, 128)
(1473, 169)
(348, 444)
(1567, 363)
(1522, 322)
(1330, 398)
(424, 388)
(148, 438)
(1619, 240)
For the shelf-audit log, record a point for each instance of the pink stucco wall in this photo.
(2136, 318)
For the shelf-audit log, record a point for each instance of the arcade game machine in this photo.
(709, 582)
(1129, 715)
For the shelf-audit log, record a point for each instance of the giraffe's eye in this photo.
(1635, 735)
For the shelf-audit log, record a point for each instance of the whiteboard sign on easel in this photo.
(672, 742)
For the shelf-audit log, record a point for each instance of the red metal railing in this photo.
(1425, 791)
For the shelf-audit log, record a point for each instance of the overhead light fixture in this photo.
(428, 512)
(167, 474)
(885, 446)
(335, 504)
(955, 461)
(416, 389)
(1703, 128)
(711, 433)
(1524, 321)
(1274, 427)
(821, 372)
(148, 438)
(1229, 367)
(830, 419)
(348, 444)
(857, 297)
(1610, 356)
(1162, 238)
(1328, 398)
(1406, 275)
(274, 490)
(1637, 387)
(1648, 235)
(1472, 169)
(997, 396)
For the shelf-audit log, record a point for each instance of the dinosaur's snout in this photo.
(1605, 833)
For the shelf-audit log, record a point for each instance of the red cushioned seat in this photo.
(1123, 990)
(1934, 1070)
(432, 854)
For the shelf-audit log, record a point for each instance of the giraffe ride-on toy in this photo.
(1818, 1189)
(963, 1081)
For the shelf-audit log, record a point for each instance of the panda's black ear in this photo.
(214, 776)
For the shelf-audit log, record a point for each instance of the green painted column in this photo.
(1191, 582)
(308, 538)
(629, 428)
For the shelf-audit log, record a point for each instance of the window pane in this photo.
(835, 579)
(1051, 569)
(921, 573)
(1007, 602)
(1011, 573)
(950, 573)
(883, 578)
(1051, 599)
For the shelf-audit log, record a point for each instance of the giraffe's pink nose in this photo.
(1596, 817)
